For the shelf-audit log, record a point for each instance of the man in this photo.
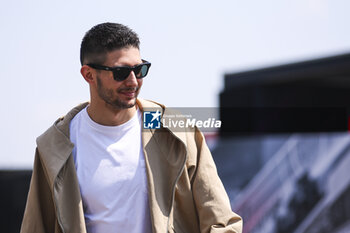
(96, 171)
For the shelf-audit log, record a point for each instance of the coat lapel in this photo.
(165, 157)
(55, 149)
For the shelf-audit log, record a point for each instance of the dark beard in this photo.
(107, 96)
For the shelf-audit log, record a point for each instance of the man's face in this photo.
(119, 94)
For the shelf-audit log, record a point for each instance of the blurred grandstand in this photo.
(284, 155)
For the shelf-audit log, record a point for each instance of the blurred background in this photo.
(277, 71)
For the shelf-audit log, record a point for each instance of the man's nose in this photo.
(131, 80)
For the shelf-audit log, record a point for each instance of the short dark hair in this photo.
(104, 38)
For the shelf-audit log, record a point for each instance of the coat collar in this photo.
(147, 104)
(55, 146)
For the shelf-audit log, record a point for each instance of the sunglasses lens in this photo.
(144, 70)
(141, 71)
(121, 74)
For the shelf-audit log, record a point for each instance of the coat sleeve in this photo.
(39, 214)
(212, 202)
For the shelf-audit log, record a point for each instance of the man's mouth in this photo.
(129, 92)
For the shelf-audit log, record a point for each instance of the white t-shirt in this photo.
(110, 165)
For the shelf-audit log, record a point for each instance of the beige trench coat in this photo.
(185, 192)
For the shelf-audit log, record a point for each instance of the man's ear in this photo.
(88, 73)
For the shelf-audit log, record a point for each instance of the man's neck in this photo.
(105, 114)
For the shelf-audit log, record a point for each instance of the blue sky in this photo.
(191, 44)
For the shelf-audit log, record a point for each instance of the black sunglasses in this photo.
(120, 73)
